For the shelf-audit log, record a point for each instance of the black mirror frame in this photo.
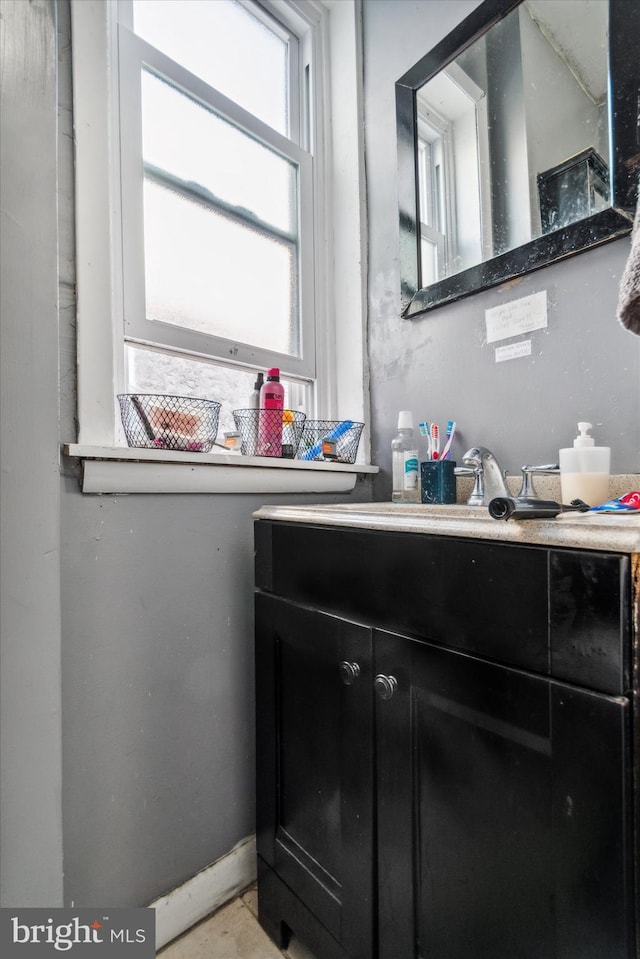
(608, 224)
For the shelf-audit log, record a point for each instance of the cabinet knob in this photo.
(385, 686)
(349, 672)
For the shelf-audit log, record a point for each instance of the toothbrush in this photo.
(435, 441)
(424, 431)
(335, 434)
(451, 432)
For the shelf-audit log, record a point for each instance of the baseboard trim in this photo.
(205, 892)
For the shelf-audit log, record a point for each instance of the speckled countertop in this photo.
(611, 532)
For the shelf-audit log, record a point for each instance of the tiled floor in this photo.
(232, 933)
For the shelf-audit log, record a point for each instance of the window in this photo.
(213, 186)
(452, 110)
(433, 241)
(217, 235)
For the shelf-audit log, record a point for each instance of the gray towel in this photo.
(629, 295)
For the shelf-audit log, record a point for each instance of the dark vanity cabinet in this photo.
(315, 774)
(445, 746)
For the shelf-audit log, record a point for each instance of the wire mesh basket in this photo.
(336, 441)
(161, 421)
(269, 432)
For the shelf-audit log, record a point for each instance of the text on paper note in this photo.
(519, 316)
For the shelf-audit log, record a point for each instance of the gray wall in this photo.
(30, 777)
(127, 621)
(584, 366)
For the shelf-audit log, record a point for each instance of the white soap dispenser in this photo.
(584, 469)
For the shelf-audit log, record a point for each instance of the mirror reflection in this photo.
(512, 136)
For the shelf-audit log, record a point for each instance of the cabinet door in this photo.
(502, 829)
(314, 765)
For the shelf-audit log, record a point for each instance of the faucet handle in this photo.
(527, 490)
(476, 497)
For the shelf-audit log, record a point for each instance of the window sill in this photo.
(129, 470)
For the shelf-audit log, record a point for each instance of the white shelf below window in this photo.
(129, 470)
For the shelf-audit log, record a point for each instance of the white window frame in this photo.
(438, 226)
(98, 233)
(430, 205)
(455, 92)
(134, 56)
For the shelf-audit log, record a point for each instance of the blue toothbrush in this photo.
(335, 434)
(451, 432)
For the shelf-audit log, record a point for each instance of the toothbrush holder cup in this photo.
(438, 481)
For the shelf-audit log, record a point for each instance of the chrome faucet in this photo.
(527, 490)
(489, 479)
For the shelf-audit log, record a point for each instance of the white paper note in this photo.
(519, 316)
(512, 350)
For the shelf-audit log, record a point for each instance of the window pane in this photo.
(210, 273)
(186, 140)
(222, 42)
(429, 262)
(151, 371)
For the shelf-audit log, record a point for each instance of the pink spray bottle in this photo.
(270, 415)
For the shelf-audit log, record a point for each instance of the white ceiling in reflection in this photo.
(580, 41)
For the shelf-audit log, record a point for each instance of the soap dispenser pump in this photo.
(584, 469)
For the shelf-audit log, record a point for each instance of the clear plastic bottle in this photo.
(404, 462)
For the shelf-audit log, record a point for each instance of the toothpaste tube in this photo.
(629, 503)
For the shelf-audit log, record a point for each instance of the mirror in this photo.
(518, 144)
